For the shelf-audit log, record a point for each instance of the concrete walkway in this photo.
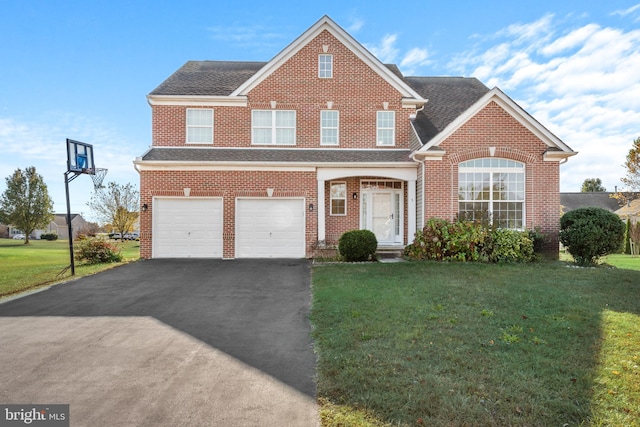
(167, 342)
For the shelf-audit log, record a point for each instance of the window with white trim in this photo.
(329, 126)
(386, 128)
(492, 189)
(338, 198)
(199, 126)
(325, 66)
(273, 127)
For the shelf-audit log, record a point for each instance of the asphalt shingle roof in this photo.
(572, 201)
(212, 78)
(276, 155)
(448, 98)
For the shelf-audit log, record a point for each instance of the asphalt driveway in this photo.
(167, 342)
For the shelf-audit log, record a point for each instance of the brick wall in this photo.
(356, 91)
(228, 185)
(493, 127)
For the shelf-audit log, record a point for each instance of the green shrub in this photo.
(504, 245)
(358, 245)
(442, 240)
(96, 251)
(462, 240)
(49, 236)
(430, 242)
(538, 240)
(589, 233)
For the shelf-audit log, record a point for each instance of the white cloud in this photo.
(42, 144)
(356, 25)
(625, 12)
(416, 57)
(386, 50)
(582, 83)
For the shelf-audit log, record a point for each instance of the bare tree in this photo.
(117, 205)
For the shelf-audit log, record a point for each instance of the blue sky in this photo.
(82, 69)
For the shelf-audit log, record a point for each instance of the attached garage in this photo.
(187, 227)
(270, 228)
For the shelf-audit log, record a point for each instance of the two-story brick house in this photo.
(272, 159)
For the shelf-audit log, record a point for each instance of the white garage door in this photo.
(270, 228)
(187, 228)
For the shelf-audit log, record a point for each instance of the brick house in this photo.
(279, 158)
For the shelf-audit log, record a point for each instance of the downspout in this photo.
(422, 173)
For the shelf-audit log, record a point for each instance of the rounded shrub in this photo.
(96, 251)
(49, 236)
(589, 233)
(503, 245)
(358, 245)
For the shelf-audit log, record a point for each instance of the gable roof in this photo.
(327, 24)
(596, 199)
(558, 150)
(224, 82)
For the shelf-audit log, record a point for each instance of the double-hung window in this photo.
(386, 128)
(492, 189)
(338, 198)
(325, 66)
(199, 126)
(273, 127)
(329, 125)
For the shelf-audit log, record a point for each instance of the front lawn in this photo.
(452, 344)
(42, 262)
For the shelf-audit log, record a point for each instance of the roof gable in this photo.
(557, 149)
(327, 24)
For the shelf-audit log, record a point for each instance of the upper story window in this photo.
(273, 127)
(492, 189)
(386, 128)
(325, 66)
(338, 198)
(329, 126)
(199, 126)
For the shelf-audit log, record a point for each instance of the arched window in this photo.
(492, 189)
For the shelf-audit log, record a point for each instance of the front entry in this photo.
(381, 210)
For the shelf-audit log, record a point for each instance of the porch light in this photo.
(355, 196)
(310, 207)
(144, 207)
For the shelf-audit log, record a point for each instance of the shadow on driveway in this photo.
(253, 310)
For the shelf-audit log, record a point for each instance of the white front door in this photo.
(381, 212)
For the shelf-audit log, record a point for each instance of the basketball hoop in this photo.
(97, 176)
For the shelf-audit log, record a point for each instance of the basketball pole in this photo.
(66, 187)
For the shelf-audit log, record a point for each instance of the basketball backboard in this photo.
(79, 157)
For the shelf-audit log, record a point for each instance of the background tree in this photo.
(117, 205)
(592, 185)
(632, 178)
(26, 203)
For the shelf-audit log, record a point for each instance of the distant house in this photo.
(601, 199)
(59, 226)
(630, 210)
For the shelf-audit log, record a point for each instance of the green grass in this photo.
(42, 262)
(442, 344)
